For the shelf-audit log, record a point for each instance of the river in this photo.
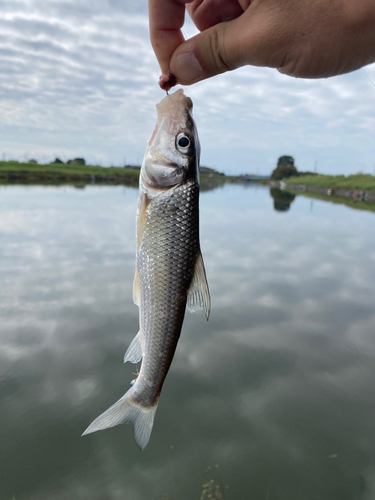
(273, 398)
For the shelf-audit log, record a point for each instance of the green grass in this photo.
(26, 173)
(12, 172)
(358, 181)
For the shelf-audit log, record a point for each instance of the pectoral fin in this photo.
(198, 294)
(143, 203)
(136, 288)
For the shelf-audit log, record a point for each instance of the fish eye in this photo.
(183, 143)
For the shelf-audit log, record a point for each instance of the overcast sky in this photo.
(79, 78)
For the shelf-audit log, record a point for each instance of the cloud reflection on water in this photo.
(278, 380)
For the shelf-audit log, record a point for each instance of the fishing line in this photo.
(372, 83)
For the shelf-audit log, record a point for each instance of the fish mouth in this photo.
(174, 106)
(180, 96)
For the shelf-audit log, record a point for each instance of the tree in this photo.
(281, 199)
(285, 169)
(283, 161)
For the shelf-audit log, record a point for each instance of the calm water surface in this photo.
(273, 398)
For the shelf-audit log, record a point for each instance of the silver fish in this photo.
(169, 272)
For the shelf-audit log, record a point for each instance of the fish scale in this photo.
(170, 271)
(165, 264)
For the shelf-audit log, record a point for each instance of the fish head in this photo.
(172, 154)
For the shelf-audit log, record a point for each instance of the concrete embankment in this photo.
(350, 194)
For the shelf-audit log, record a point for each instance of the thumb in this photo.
(254, 38)
(223, 47)
(214, 51)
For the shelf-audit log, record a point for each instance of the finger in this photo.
(166, 20)
(207, 13)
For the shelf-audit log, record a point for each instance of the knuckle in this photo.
(217, 46)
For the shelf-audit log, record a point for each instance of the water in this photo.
(273, 398)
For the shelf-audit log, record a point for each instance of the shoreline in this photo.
(349, 194)
(360, 182)
(15, 173)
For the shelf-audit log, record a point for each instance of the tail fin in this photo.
(126, 410)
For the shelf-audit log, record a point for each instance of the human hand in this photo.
(301, 38)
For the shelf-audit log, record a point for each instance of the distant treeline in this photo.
(57, 161)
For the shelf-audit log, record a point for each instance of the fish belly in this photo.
(165, 262)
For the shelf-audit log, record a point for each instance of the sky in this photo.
(78, 78)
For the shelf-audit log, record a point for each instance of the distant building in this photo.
(253, 177)
(133, 167)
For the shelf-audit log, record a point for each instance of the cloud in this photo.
(79, 78)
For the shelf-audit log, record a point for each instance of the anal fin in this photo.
(134, 351)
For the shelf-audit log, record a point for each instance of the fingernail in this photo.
(187, 67)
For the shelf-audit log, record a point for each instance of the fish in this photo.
(170, 273)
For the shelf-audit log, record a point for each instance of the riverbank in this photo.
(350, 183)
(356, 195)
(36, 173)
(81, 175)
(356, 204)
(356, 188)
